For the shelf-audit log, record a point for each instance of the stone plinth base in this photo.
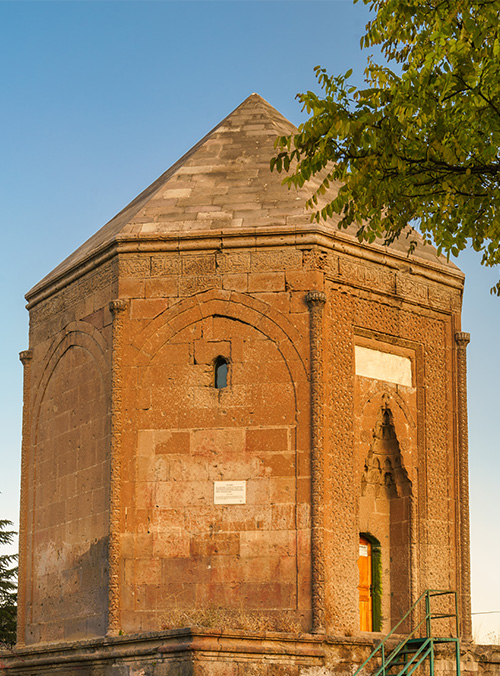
(185, 652)
(207, 652)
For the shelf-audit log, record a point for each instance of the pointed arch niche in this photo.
(385, 514)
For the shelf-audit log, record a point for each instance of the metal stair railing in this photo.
(414, 649)
(425, 650)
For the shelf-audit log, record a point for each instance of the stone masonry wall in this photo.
(399, 318)
(173, 552)
(176, 335)
(65, 493)
(181, 552)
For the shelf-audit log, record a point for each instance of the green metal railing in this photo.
(419, 644)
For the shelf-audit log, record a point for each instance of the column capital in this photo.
(25, 356)
(462, 338)
(315, 298)
(118, 305)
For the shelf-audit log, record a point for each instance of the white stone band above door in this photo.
(392, 368)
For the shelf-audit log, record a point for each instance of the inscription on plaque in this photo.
(230, 492)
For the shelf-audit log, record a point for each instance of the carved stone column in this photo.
(316, 301)
(118, 308)
(462, 340)
(25, 356)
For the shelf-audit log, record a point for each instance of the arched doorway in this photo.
(386, 492)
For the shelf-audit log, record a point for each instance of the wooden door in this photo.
(365, 584)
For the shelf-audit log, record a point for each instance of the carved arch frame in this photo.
(76, 334)
(217, 302)
(406, 428)
(237, 306)
(384, 395)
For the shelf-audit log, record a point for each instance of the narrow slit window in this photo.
(221, 367)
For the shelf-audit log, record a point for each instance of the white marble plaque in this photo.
(383, 366)
(230, 492)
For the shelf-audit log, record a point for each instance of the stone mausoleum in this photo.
(244, 435)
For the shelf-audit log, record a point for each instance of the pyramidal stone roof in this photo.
(222, 184)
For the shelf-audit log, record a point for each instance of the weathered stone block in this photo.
(266, 281)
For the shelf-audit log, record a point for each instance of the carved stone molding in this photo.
(25, 356)
(117, 308)
(462, 340)
(316, 301)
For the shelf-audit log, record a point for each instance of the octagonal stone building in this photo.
(230, 412)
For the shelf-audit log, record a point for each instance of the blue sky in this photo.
(100, 97)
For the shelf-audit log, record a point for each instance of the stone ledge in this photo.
(198, 651)
(166, 646)
(239, 642)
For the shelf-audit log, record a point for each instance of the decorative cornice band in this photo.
(316, 301)
(272, 236)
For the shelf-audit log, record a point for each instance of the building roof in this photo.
(222, 184)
